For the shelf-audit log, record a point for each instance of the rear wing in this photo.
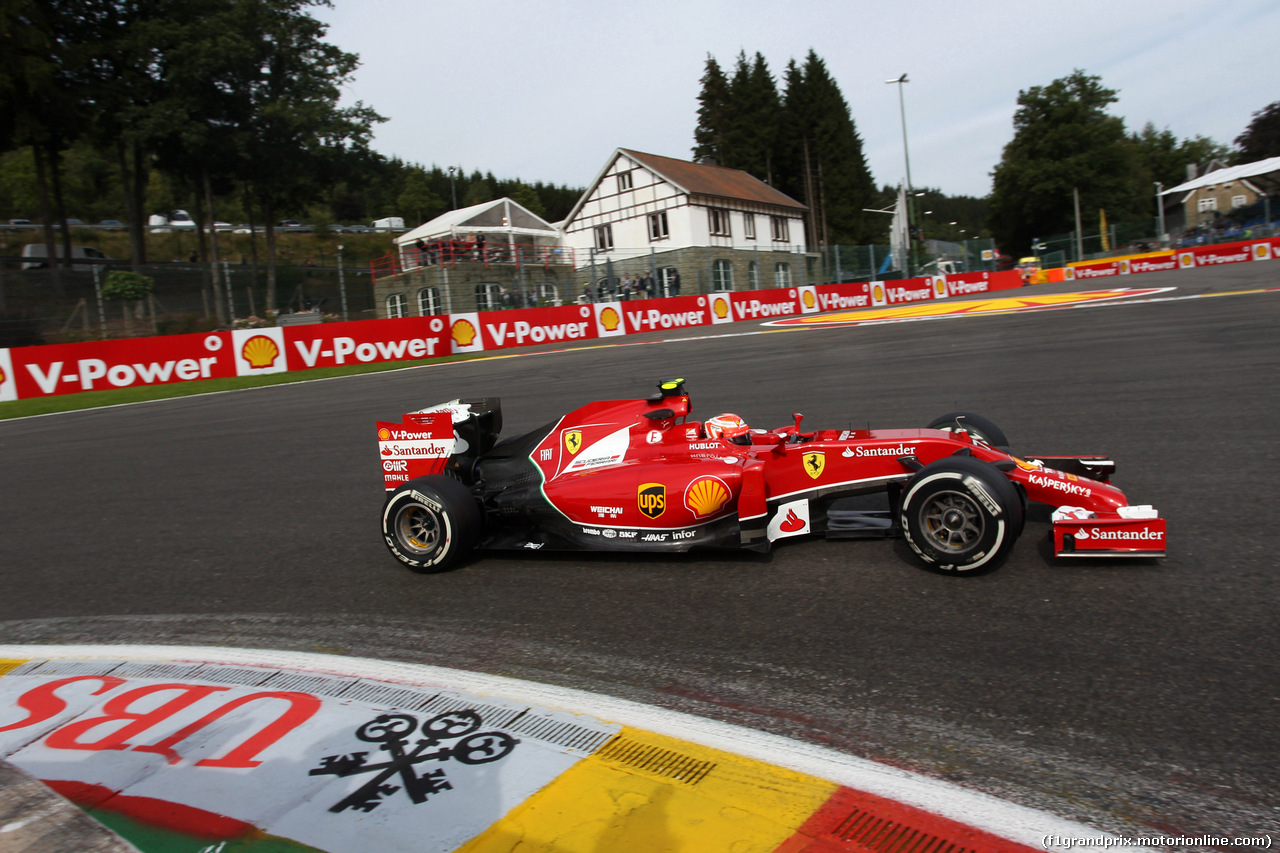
(418, 446)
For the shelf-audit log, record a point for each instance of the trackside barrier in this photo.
(1175, 259)
(43, 371)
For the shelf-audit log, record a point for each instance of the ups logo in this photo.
(652, 499)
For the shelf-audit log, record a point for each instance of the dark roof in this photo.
(713, 181)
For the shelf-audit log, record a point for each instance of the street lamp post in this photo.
(342, 285)
(1160, 210)
(906, 153)
(453, 189)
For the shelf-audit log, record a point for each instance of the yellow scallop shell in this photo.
(808, 299)
(706, 496)
(464, 333)
(609, 319)
(260, 351)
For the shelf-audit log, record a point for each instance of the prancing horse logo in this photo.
(814, 463)
(573, 441)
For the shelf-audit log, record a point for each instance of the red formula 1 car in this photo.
(640, 475)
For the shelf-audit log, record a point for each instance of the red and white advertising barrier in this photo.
(45, 371)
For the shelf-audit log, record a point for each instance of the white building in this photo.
(738, 230)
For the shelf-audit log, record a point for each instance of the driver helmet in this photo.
(729, 427)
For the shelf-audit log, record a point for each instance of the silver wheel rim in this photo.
(952, 522)
(418, 529)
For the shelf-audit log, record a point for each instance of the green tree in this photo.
(713, 114)
(1261, 139)
(418, 200)
(1064, 140)
(1165, 158)
(822, 162)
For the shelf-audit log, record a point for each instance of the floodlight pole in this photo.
(906, 153)
(1160, 209)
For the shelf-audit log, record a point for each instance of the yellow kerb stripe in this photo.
(7, 666)
(644, 791)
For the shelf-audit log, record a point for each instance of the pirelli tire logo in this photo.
(651, 498)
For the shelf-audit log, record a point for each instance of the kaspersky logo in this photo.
(651, 498)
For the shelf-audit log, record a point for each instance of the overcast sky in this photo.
(545, 91)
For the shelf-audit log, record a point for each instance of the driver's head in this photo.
(730, 428)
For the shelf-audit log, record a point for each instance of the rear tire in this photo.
(961, 515)
(431, 523)
(975, 425)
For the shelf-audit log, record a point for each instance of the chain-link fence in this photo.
(40, 305)
(1144, 235)
(60, 306)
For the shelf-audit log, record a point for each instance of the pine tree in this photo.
(822, 162)
(710, 134)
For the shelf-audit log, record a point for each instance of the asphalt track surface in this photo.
(1134, 696)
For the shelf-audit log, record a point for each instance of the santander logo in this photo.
(792, 523)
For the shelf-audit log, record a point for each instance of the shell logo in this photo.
(705, 496)
(721, 307)
(1124, 266)
(260, 351)
(940, 288)
(1186, 260)
(877, 292)
(609, 319)
(1069, 274)
(809, 301)
(464, 334)
(2, 376)
(384, 434)
(1261, 252)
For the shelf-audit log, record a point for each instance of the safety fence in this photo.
(28, 372)
(42, 371)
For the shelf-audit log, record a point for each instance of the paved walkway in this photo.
(178, 748)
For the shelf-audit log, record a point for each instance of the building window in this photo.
(1210, 203)
(781, 229)
(658, 226)
(604, 237)
(545, 294)
(428, 301)
(753, 275)
(721, 276)
(782, 274)
(719, 220)
(1238, 201)
(488, 297)
(749, 225)
(624, 181)
(395, 305)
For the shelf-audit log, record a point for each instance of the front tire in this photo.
(431, 523)
(975, 425)
(961, 515)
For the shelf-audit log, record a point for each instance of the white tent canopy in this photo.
(1259, 172)
(501, 217)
